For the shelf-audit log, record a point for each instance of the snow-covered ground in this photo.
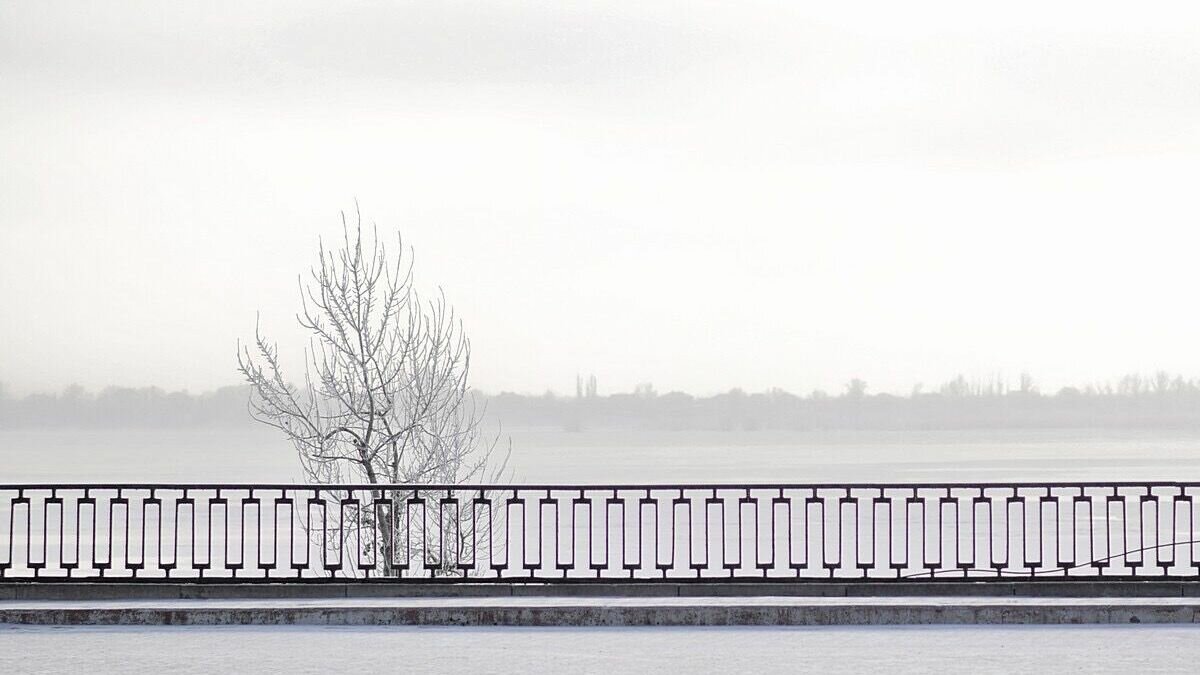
(1046, 649)
(599, 601)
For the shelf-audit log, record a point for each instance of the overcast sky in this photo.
(697, 194)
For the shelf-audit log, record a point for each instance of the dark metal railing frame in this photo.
(855, 571)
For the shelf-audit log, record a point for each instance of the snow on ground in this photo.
(990, 649)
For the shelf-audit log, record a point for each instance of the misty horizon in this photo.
(1161, 401)
(1133, 383)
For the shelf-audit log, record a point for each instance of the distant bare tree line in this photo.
(1159, 400)
(126, 407)
(1134, 401)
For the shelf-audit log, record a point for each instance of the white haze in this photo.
(697, 194)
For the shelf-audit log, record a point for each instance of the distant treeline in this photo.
(1134, 401)
(125, 407)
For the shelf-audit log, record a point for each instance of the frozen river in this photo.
(985, 649)
(548, 455)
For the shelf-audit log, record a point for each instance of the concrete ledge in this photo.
(150, 590)
(600, 614)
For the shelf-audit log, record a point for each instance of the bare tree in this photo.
(384, 397)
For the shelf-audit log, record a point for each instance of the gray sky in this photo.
(697, 194)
